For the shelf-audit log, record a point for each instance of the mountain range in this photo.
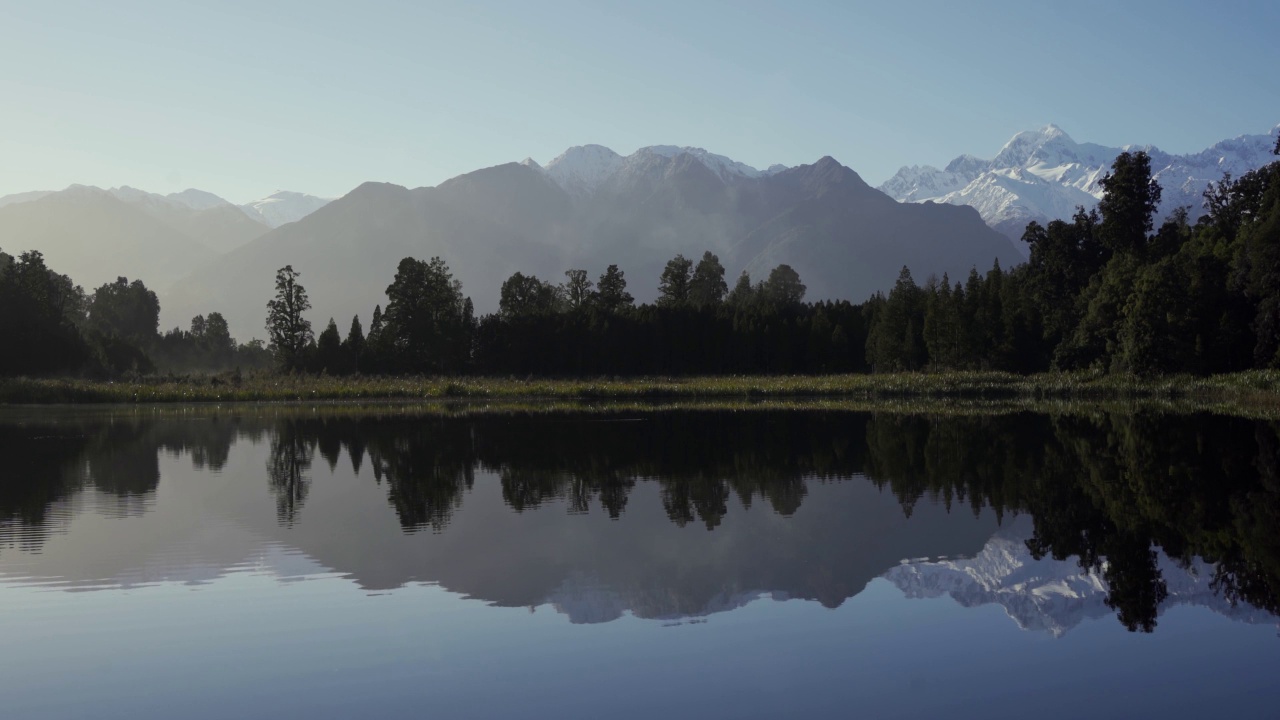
(1044, 175)
(587, 208)
(96, 235)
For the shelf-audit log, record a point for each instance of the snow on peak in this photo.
(531, 163)
(582, 169)
(283, 207)
(1044, 175)
(1052, 595)
(722, 166)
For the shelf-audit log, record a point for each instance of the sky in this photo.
(245, 98)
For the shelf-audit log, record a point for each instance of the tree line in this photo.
(1105, 289)
(51, 326)
(1108, 290)
(577, 327)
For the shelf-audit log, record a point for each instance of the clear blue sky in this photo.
(242, 98)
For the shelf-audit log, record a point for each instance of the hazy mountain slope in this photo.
(486, 225)
(94, 237)
(24, 197)
(283, 207)
(201, 216)
(1044, 174)
(846, 239)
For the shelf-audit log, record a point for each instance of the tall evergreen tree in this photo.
(288, 331)
(707, 287)
(673, 286)
(1129, 201)
(329, 350)
(611, 290)
(743, 293)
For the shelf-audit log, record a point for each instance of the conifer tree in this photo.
(611, 290)
(673, 286)
(289, 332)
(707, 287)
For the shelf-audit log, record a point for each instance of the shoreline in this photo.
(1256, 390)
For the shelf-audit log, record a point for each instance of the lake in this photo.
(637, 562)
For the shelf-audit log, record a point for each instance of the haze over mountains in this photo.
(1044, 175)
(587, 208)
(96, 235)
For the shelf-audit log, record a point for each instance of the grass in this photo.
(1259, 389)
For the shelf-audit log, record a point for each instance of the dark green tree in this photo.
(673, 286)
(523, 295)
(783, 287)
(707, 287)
(1129, 201)
(329, 355)
(289, 333)
(127, 310)
(428, 322)
(743, 293)
(577, 289)
(611, 291)
(895, 341)
(40, 314)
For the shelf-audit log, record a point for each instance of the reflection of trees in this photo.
(290, 459)
(49, 459)
(428, 465)
(41, 466)
(1105, 488)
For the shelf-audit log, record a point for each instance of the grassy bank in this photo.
(1254, 388)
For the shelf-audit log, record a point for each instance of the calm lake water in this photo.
(399, 562)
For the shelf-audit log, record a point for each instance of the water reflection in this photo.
(667, 515)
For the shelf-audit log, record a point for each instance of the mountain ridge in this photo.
(845, 238)
(1045, 175)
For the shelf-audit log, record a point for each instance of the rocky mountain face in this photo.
(589, 208)
(1043, 175)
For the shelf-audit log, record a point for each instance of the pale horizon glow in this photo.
(241, 99)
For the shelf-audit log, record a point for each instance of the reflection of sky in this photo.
(247, 645)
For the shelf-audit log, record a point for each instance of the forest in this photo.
(1106, 290)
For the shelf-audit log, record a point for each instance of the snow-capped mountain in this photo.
(1050, 595)
(1044, 175)
(283, 207)
(583, 169)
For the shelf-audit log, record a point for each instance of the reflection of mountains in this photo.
(612, 514)
(1047, 594)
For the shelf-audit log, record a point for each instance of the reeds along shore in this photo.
(1253, 388)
